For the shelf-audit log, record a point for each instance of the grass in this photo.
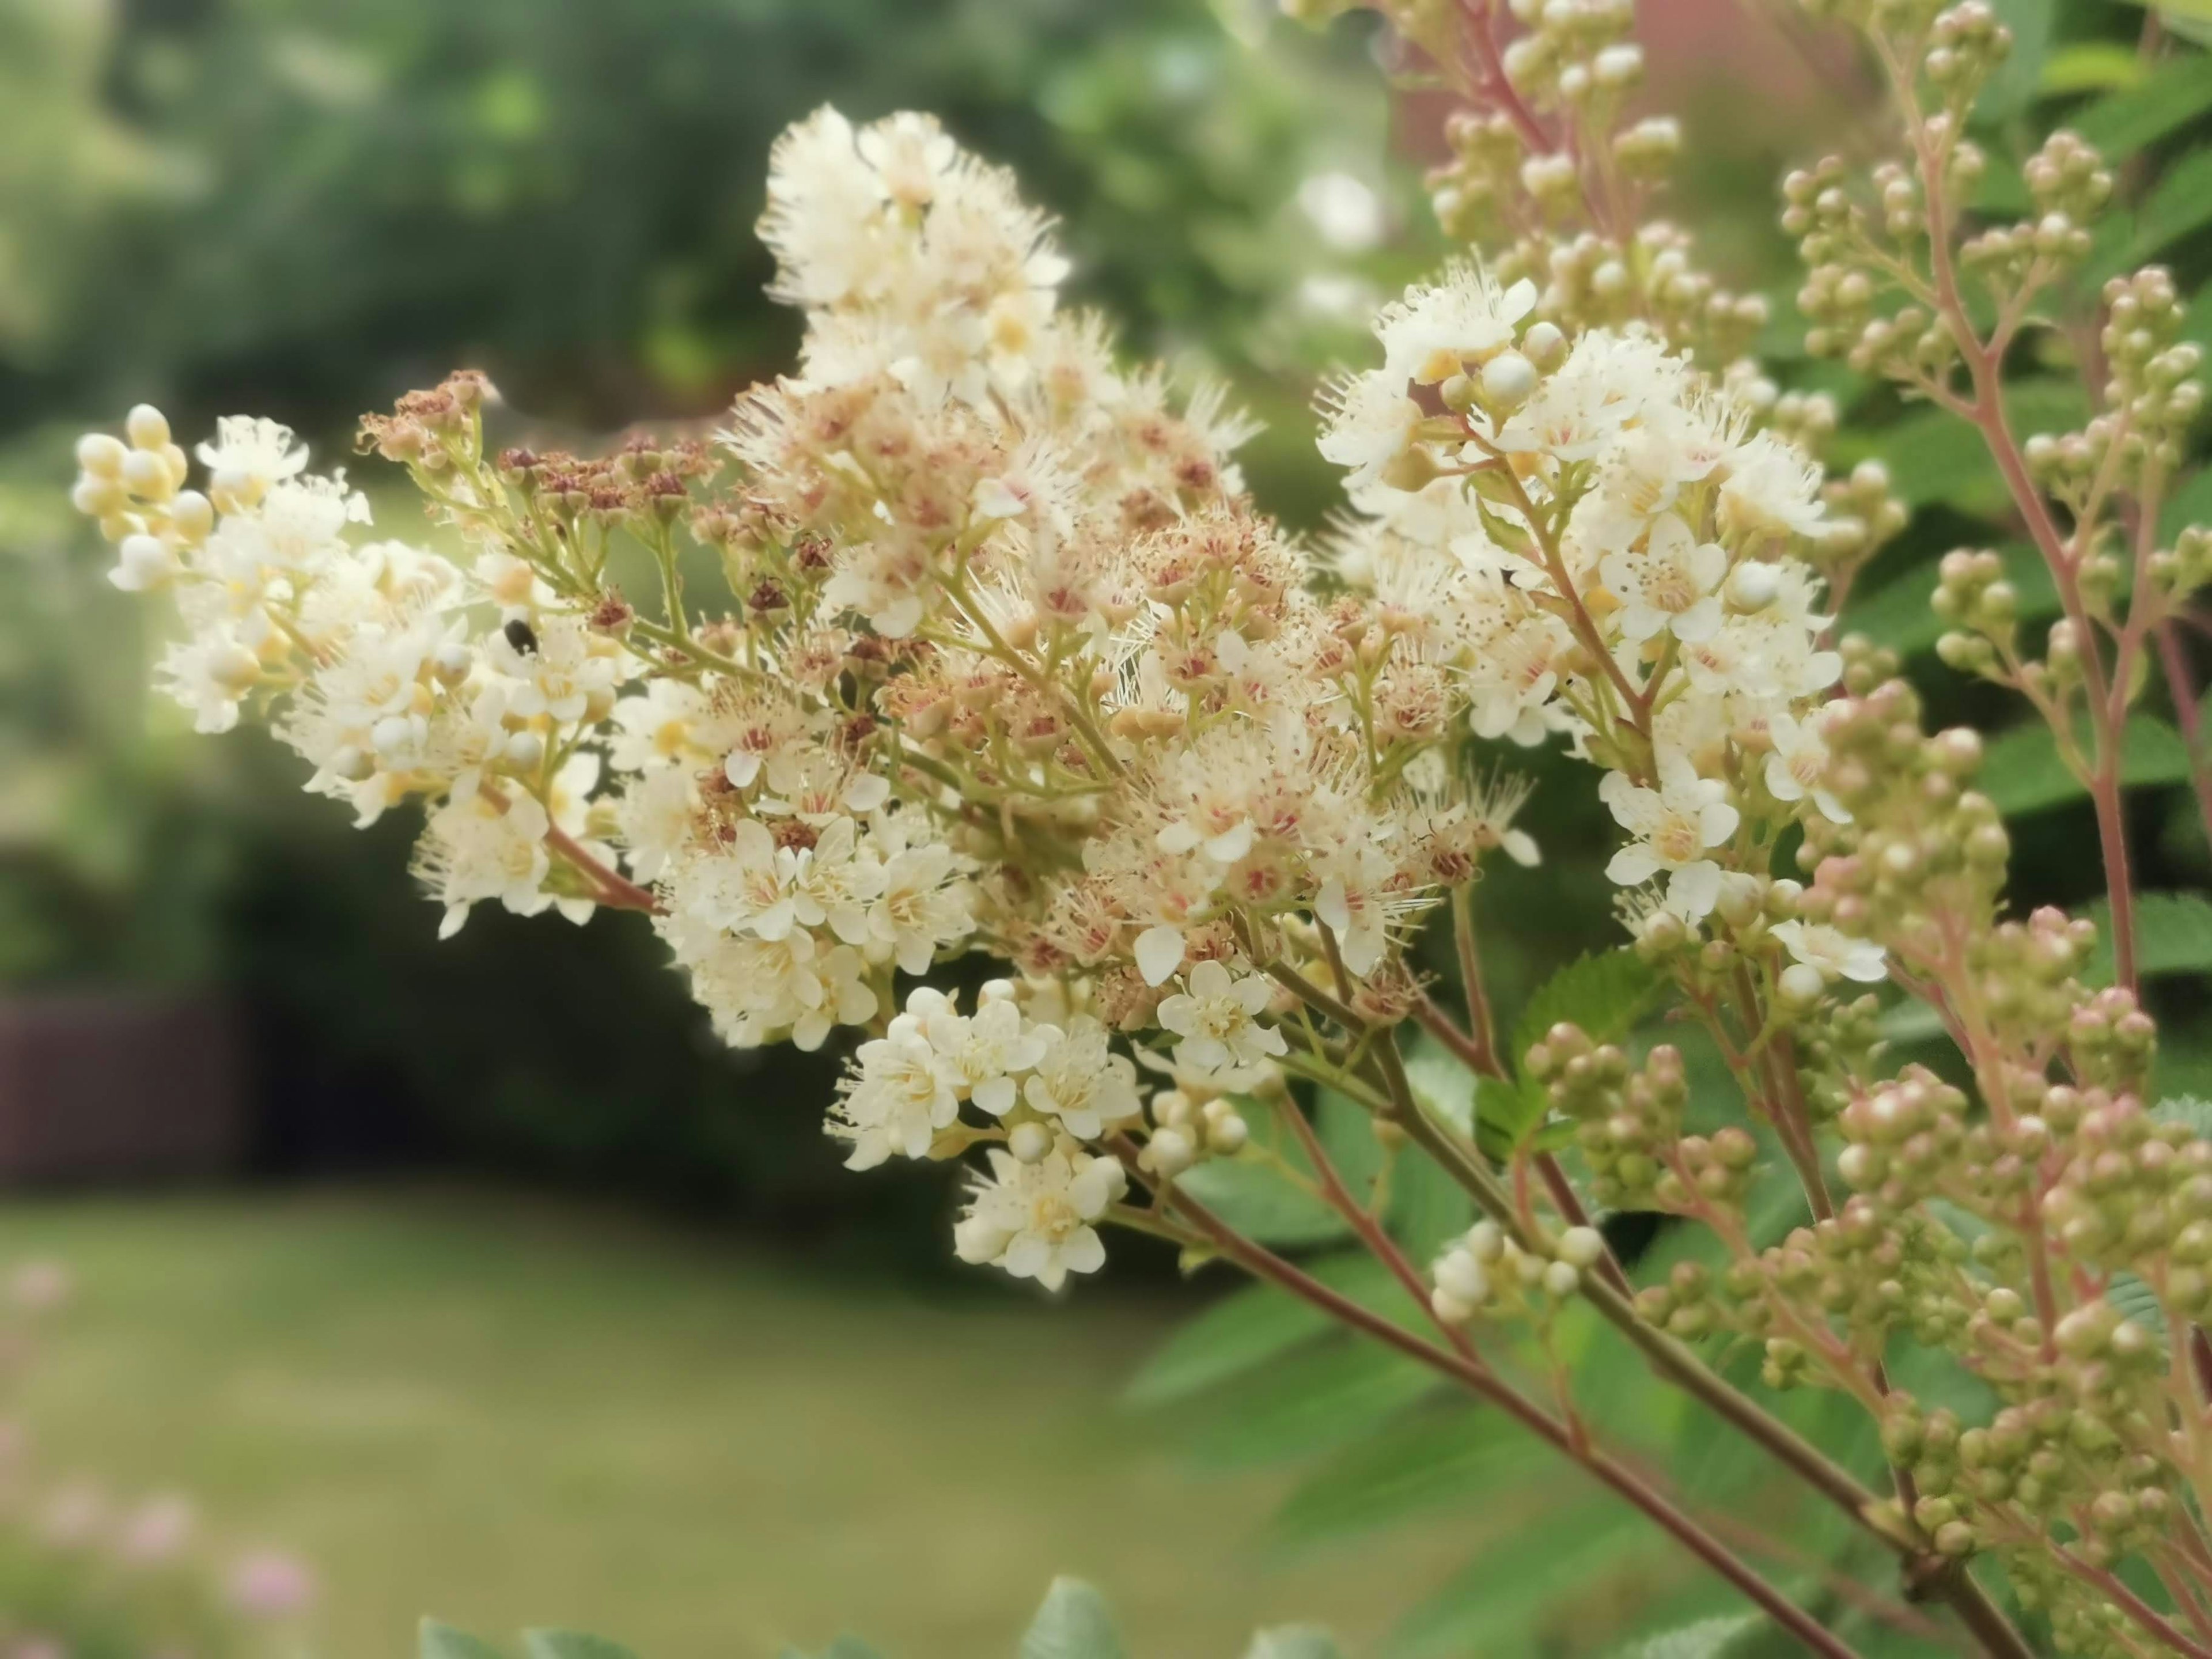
(506, 1411)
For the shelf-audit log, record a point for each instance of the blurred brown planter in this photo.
(108, 1085)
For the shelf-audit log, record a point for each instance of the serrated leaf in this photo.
(1250, 1328)
(1072, 1624)
(1603, 992)
(2174, 935)
(2192, 1112)
(1293, 1642)
(437, 1641)
(2023, 772)
(2137, 1301)
(2174, 94)
(1410, 1465)
(571, 1644)
(1897, 614)
(2179, 205)
(1709, 1638)
(1313, 1400)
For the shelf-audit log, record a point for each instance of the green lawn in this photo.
(504, 1411)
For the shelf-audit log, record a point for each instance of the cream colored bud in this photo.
(192, 514)
(1753, 585)
(236, 670)
(1486, 1241)
(147, 475)
(148, 428)
(1800, 985)
(1582, 1246)
(1618, 65)
(1168, 1153)
(450, 662)
(1545, 345)
(1508, 380)
(101, 454)
(1562, 1279)
(97, 497)
(1029, 1142)
(525, 751)
(143, 561)
(1461, 1276)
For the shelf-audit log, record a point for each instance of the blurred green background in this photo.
(499, 1290)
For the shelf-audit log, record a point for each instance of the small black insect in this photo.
(519, 636)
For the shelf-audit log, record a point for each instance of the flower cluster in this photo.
(1011, 664)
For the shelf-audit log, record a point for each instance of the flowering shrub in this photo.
(1006, 662)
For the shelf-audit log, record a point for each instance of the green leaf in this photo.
(1072, 1624)
(2012, 88)
(2135, 1300)
(2175, 94)
(1293, 1642)
(1313, 1400)
(1252, 1194)
(2022, 771)
(2192, 503)
(1412, 1464)
(2093, 66)
(1603, 992)
(2180, 205)
(1498, 1603)
(1440, 1084)
(1249, 1327)
(437, 1641)
(2192, 1112)
(1934, 456)
(1709, 1638)
(1897, 613)
(571, 1644)
(1427, 1206)
(2174, 935)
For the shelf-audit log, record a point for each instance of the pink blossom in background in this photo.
(156, 1531)
(37, 1286)
(268, 1584)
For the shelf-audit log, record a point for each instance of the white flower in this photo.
(896, 1097)
(1080, 1081)
(1669, 581)
(1797, 766)
(1831, 950)
(983, 1053)
(248, 455)
(655, 814)
(1770, 485)
(923, 907)
(476, 849)
(1216, 1015)
(1673, 824)
(1352, 904)
(1437, 330)
(1035, 1219)
(1369, 422)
